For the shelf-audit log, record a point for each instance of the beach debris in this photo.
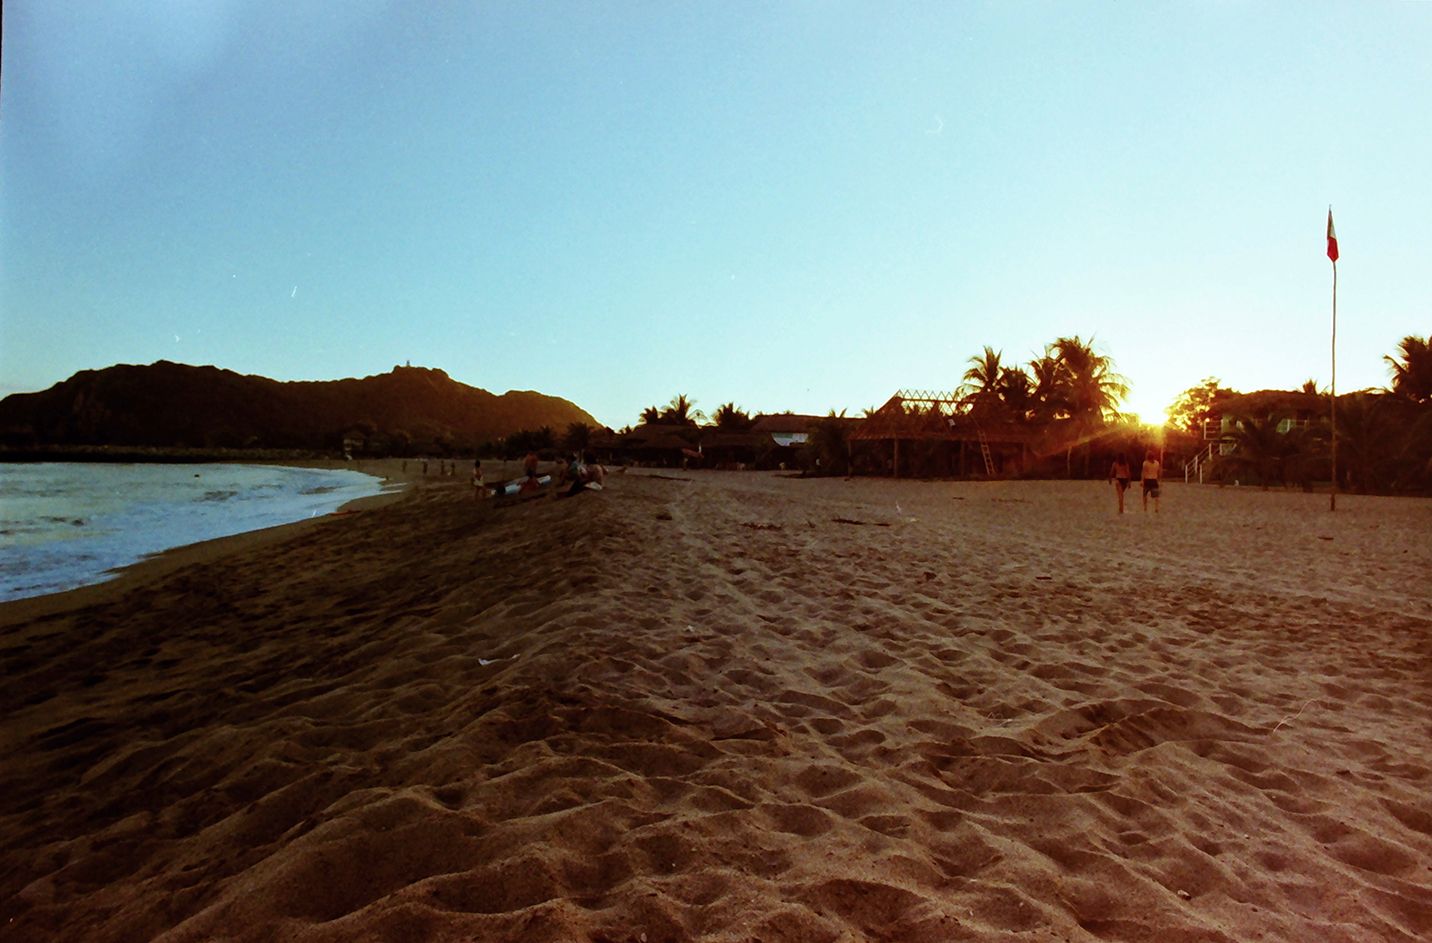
(1184, 894)
(663, 515)
(759, 526)
(1289, 720)
(851, 520)
(484, 662)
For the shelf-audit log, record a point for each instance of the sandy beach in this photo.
(738, 707)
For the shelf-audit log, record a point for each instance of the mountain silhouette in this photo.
(172, 405)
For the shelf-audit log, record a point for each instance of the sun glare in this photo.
(1145, 412)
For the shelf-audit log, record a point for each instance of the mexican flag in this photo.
(1332, 238)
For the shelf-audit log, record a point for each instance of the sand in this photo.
(739, 707)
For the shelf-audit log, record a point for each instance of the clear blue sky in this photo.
(795, 206)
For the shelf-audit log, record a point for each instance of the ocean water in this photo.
(64, 525)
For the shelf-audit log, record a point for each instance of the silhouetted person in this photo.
(1120, 476)
(1150, 475)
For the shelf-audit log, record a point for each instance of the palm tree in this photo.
(732, 418)
(1048, 396)
(651, 414)
(1091, 392)
(1373, 433)
(984, 376)
(829, 443)
(1016, 393)
(1412, 374)
(1094, 390)
(577, 437)
(1414, 455)
(1260, 448)
(529, 440)
(680, 410)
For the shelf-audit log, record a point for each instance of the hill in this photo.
(172, 405)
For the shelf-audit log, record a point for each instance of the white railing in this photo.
(1194, 466)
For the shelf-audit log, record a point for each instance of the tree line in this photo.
(1068, 396)
(1384, 436)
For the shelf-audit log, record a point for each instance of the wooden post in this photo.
(1333, 388)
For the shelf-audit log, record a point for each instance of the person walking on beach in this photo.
(1119, 475)
(1150, 475)
(479, 487)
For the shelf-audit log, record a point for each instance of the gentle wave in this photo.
(67, 525)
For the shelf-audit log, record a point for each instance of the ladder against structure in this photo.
(984, 453)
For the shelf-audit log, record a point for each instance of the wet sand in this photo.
(738, 707)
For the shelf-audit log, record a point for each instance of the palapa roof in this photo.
(658, 436)
(729, 439)
(603, 439)
(784, 422)
(930, 414)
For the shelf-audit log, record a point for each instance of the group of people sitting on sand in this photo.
(1149, 475)
(569, 468)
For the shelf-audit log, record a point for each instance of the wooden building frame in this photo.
(933, 418)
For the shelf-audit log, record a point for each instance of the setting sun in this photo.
(1149, 410)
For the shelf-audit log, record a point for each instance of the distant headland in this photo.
(173, 410)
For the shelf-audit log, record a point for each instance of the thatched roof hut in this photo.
(656, 443)
(940, 428)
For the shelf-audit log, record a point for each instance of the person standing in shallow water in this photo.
(1150, 475)
(1120, 476)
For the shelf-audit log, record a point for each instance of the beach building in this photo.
(783, 438)
(1293, 410)
(772, 441)
(659, 444)
(729, 448)
(930, 433)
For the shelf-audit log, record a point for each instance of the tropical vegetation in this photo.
(1411, 369)
(731, 418)
(1383, 437)
(1198, 404)
(1065, 402)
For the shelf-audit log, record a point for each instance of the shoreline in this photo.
(725, 706)
(135, 574)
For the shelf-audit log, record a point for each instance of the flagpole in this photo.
(1333, 498)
